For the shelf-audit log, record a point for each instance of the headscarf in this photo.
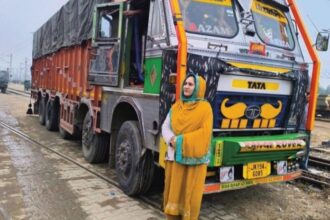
(199, 90)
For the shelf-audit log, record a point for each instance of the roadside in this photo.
(271, 201)
(38, 184)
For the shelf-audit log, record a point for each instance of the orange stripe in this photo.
(212, 188)
(182, 46)
(316, 66)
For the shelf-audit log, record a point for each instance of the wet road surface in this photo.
(38, 184)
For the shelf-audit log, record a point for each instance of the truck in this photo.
(4, 79)
(323, 106)
(110, 80)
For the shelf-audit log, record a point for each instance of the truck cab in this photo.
(4, 79)
(110, 75)
(256, 79)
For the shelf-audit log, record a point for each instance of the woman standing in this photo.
(187, 130)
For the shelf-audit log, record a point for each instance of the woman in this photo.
(187, 130)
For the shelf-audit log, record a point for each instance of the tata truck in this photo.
(110, 79)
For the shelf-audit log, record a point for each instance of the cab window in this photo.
(272, 26)
(209, 17)
(108, 24)
(157, 23)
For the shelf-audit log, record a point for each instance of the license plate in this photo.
(256, 170)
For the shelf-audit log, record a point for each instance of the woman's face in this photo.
(189, 86)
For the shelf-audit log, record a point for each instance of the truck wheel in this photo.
(95, 146)
(52, 114)
(3, 90)
(42, 111)
(147, 171)
(133, 171)
(63, 133)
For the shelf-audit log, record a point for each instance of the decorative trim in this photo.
(178, 148)
(179, 158)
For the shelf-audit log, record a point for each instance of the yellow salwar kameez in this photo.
(191, 121)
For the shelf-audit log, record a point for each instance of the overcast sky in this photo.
(20, 18)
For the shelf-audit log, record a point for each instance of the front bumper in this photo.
(239, 184)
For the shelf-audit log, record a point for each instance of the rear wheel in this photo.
(3, 90)
(95, 146)
(133, 171)
(42, 111)
(52, 116)
(63, 133)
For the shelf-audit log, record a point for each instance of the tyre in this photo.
(64, 134)
(42, 111)
(3, 90)
(52, 116)
(147, 170)
(134, 172)
(95, 146)
(36, 107)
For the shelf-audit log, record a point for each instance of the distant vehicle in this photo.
(27, 85)
(4, 79)
(323, 106)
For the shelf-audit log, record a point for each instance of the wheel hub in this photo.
(124, 157)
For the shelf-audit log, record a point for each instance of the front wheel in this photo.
(134, 171)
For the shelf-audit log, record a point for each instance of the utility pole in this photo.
(25, 69)
(20, 72)
(10, 64)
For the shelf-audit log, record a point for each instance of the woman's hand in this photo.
(173, 142)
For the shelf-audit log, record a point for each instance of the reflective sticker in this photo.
(226, 174)
(269, 11)
(253, 146)
(218, 153)
(258, 85)
(243, 123)
(272, 123)
(162, 152)
(282, 167)
(225, 123)
(239, 83)
(218, 187)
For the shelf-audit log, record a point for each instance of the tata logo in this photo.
(256, 85)
(252, 112)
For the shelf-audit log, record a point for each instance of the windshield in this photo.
(210, 17)
(272, 25)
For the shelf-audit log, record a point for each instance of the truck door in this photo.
(107, 30)
(157, 41)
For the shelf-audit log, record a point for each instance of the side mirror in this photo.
(322, 41)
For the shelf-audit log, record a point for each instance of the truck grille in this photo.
(249, 111)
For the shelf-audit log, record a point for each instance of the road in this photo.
(38, 184)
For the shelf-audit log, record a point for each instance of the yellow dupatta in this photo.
(191, 122)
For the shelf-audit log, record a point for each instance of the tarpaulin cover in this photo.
(71, 25)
